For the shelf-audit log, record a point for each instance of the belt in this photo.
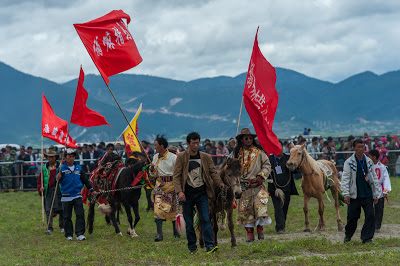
(166, 178)
(246, 184)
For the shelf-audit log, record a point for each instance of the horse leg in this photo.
(136, 212)
(214, 225)
(305, 209)
(201, 238)
(321, 221)
(91, 217)
(222, 226)
(129, 215)
(229, 215)
(113, 220)
(337, 207)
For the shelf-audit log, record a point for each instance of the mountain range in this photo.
(363, 102)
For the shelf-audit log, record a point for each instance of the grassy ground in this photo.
(22, 239)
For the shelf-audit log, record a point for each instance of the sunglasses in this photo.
(248, 138)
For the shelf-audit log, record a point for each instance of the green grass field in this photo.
(22, 239)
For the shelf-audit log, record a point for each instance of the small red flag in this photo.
(81, 114)
(109, 43)
(261, 99)
(54, 127)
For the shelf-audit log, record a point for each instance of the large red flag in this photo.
(109, 43)
(81, 114)
(54, 127)
(261, 99)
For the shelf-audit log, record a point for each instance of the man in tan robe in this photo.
(252, 208)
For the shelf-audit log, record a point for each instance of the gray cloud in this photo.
(186, 40)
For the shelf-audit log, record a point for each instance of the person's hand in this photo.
(346, 200)
(152, 167)
(41, 189)
(58, 176)
(181, 196)
(376, 201)
(259, 179)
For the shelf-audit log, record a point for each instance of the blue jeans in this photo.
(197, 197)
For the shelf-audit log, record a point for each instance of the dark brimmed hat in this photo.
(51, 153)
(70, 151)
(245, 131)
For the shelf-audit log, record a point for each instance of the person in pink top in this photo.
(221, 150)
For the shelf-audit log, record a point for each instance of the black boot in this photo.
(176, 233)
(159, 236)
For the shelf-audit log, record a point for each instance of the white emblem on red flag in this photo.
(107, 41)
(119, 39)
(97, 48)
(46, 129)
(55, 131)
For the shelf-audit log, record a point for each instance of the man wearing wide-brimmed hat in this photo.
(252, 208)
(49, 171)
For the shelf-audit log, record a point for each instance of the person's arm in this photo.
(386, 181)
(213, 172)
(177, 178)
(152, 169)
(266, 166)
(375, 182)
(345, 184)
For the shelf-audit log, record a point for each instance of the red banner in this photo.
(261, 99)
(54, 127)
(109, 43)
(81, 114)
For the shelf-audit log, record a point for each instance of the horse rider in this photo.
(194, 179)
(252, 208)
(49, 171)
(165, 198)
(282, 185)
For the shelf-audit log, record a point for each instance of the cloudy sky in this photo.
(185, 40)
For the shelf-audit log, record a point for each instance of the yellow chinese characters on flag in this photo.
(131, 142)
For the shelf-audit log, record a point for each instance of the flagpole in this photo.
(118, 138)
(41, 182)
(240, 114)
(129, 124)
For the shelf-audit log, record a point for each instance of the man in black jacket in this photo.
(282, 181)
(93, 155)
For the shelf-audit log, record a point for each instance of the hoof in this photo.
(222, 227)
(319, 229)
(307, 230)
(340, 228)
(120, 234)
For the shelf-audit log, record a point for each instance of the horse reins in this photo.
(301, 162)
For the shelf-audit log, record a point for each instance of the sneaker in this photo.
(191, 252)
(81, 237)
(62, 230)
(261, 236)
(211, 249)
(346, 239)
(48, 232)
(69, 238)
(367, 241)
(280, 232)
(377, 230)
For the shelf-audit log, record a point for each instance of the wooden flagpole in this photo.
(129, 124)
(41, 181)
(240, 114)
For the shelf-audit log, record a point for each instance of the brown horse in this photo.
(314, 184)
(224, 197)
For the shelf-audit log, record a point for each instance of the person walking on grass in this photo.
(360, 188)
(384, 187)
(165, 202)
(194, 178)
(49, 171)
(72, 178)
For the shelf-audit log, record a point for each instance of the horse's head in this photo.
(297, 154)
(233, 173)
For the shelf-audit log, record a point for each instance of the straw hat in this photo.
(51, 153)
(245, 131)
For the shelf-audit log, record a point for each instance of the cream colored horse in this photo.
(312, 183)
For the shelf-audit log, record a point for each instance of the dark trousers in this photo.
(197, 197)
(280, 212)
(379, 212)
(353, 214)
(60, 220)
(148, 197)
(77, 205)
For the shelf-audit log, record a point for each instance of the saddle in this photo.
(328, 174)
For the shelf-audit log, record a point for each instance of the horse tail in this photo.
(90, 219)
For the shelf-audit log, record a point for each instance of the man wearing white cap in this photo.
(72, 178)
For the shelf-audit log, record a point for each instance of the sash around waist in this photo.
(166, 178)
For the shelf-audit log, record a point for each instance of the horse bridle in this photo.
(301, 162)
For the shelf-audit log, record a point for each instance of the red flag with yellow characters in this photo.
(131, 142)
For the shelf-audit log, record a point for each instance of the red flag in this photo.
(54, 127)
(261, 99)
(109, 43)
(81, 114)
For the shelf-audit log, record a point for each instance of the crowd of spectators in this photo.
(88, 154)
